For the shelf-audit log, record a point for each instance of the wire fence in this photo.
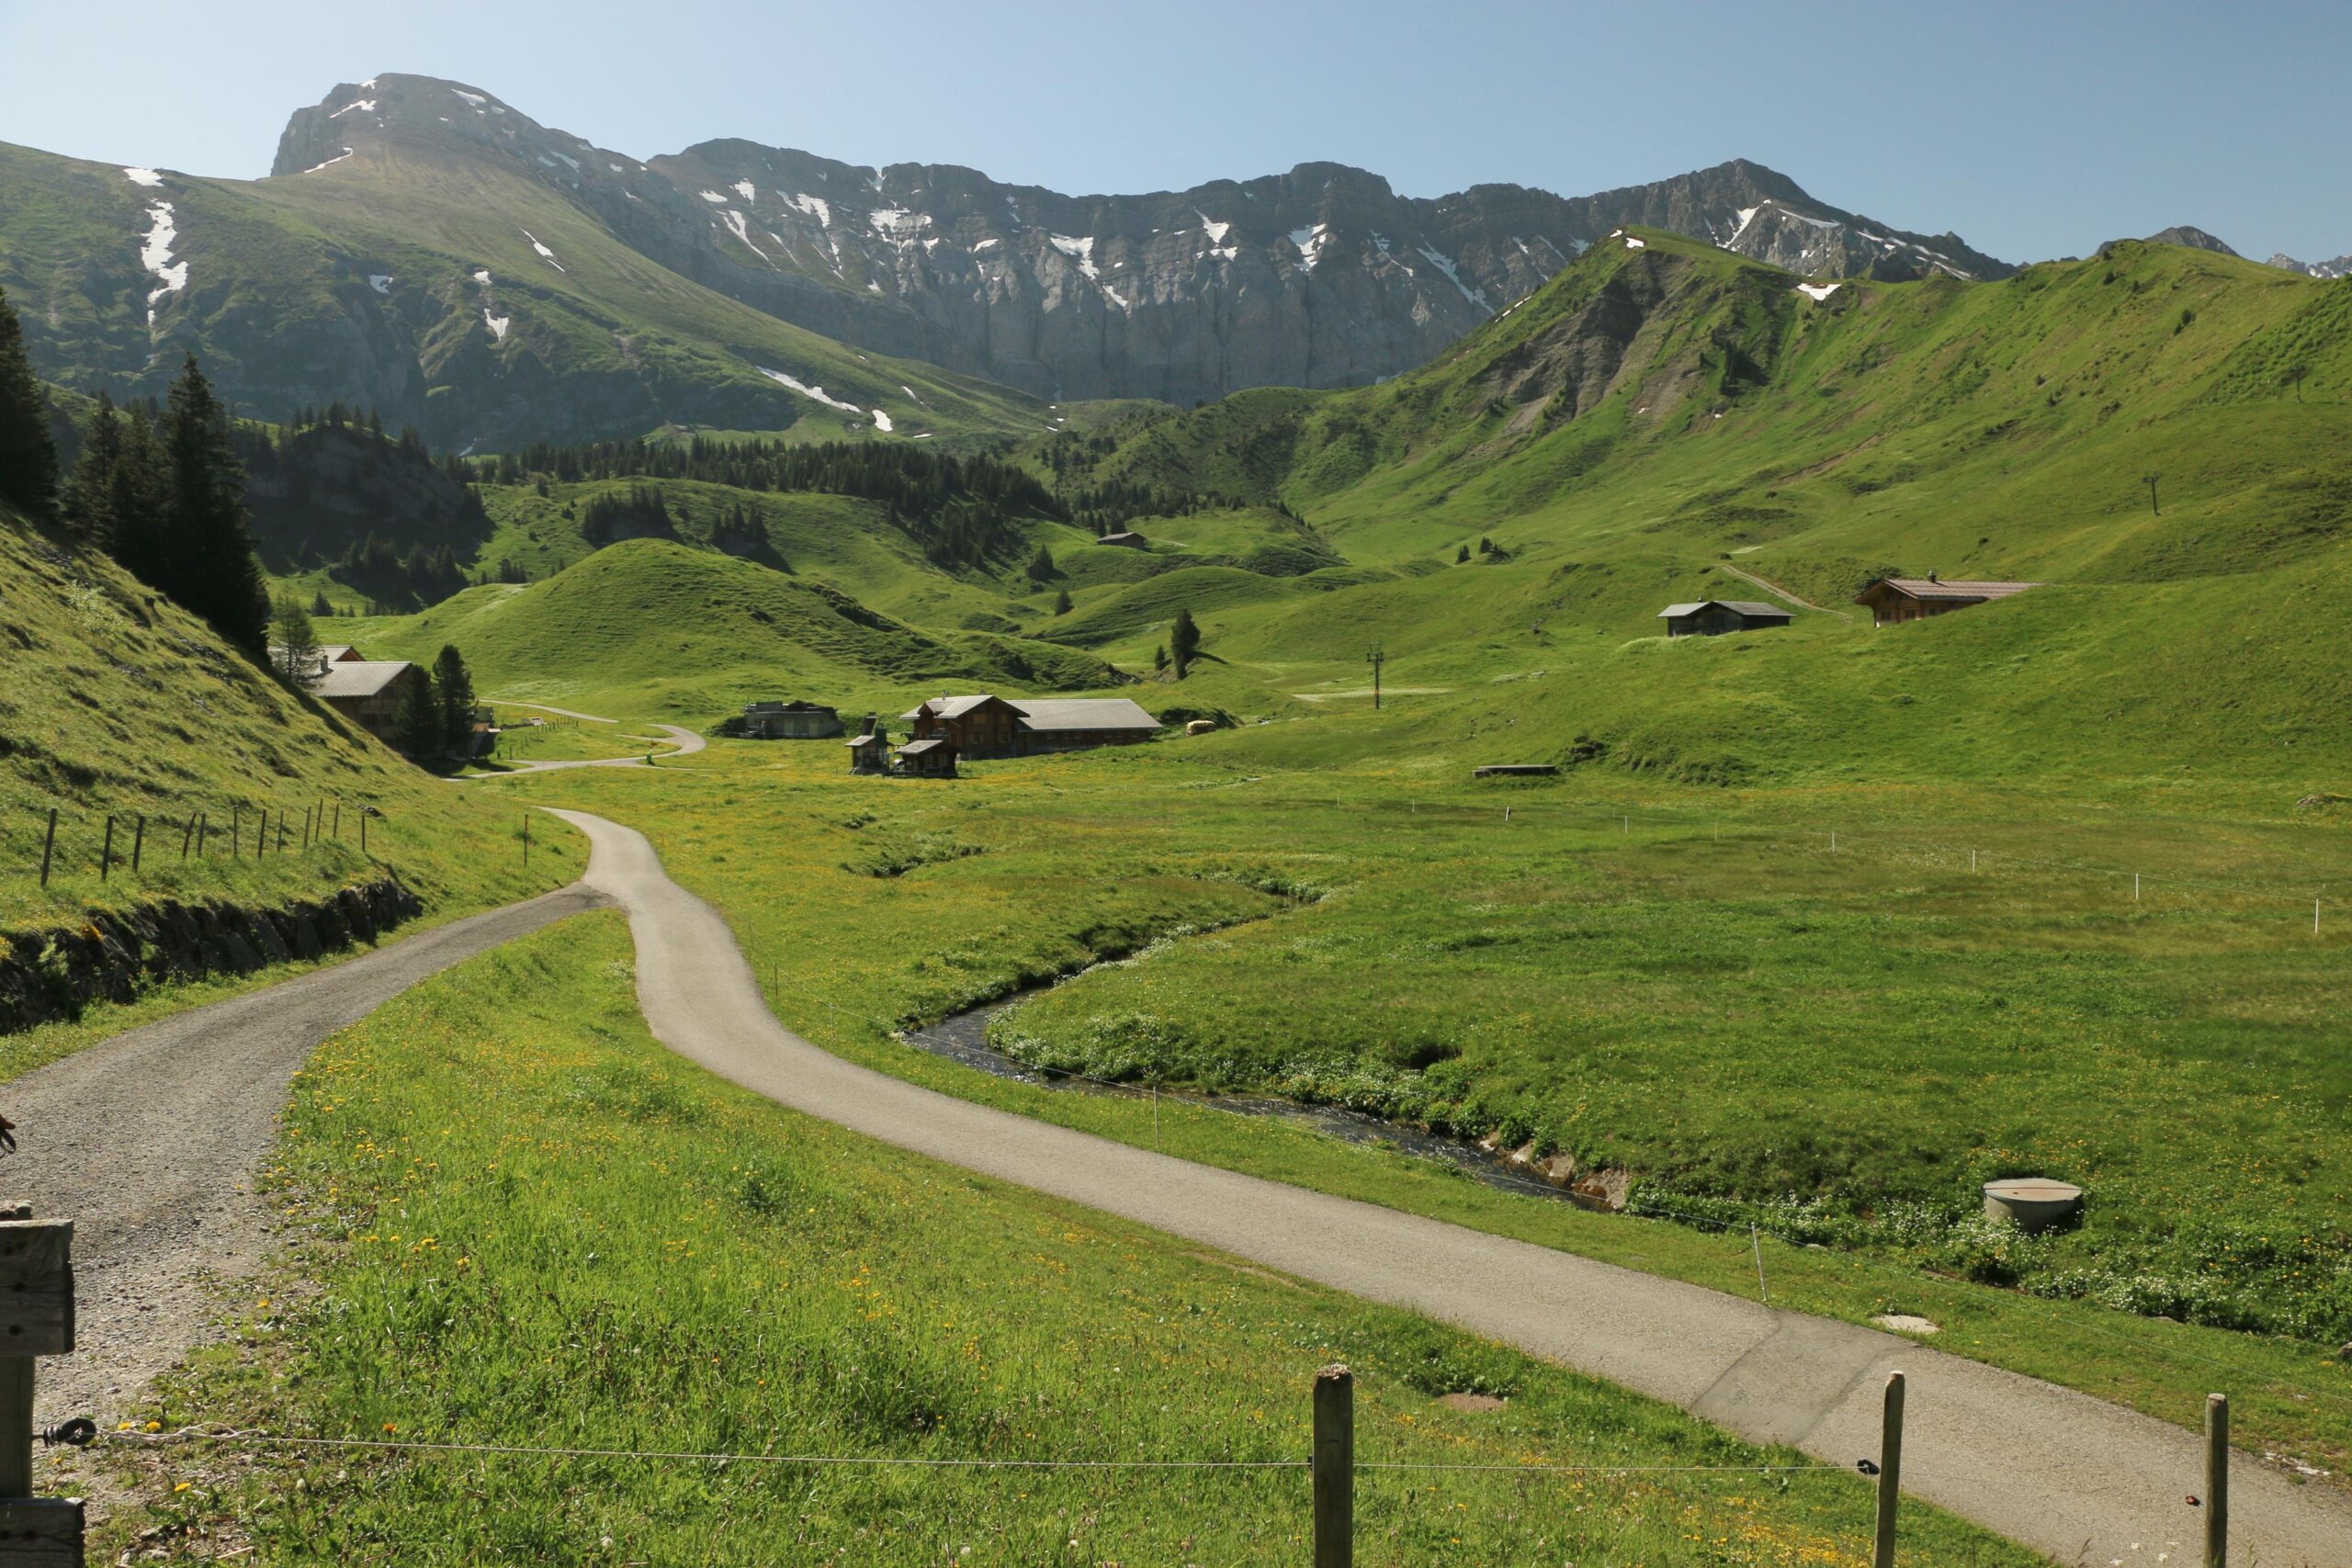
(112, 843)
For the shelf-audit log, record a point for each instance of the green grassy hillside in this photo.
(651, 628)
(364, 282)
(118, 704)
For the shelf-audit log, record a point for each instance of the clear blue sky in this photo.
(2034, 129)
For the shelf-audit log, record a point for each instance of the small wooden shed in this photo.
(870, 749)
(1894, 600)
(1714, 617)
(790, 721)
(927, 757)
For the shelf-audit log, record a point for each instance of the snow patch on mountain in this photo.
(815, 207)
(882, 421)
(1452, 275)
(155, 255)
(1215, 229)
(806, 390)
(483, 277)
(1818, 292)
(142, 176)
(743, 233)
(381, 282)
(497, 324)
(1078, 250)
(1310, 243)
(329, 164)
(714, 198)
(745, 189)
(474, 98)
(359, 106)
(543, 250)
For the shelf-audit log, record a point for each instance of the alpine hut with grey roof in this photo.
(985, 726)
(1894, 600)
(1713, 617)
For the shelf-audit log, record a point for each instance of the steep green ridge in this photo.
(1660, 415)
(656, 628)
(119, 703)
(280, 298)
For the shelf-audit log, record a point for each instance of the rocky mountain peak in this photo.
(2193, 237)
(1321, 277)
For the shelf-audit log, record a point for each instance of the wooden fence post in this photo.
(527, 840)
(49, 846)
(138, 843)
(1333, 1467)
(36, 1319)
(338, 822)
(203, 826)
(105, 855)
(363, 832)
(187, 837)
(1890, 1473)
(236, 829)
(281, 832)
(2217, 1480)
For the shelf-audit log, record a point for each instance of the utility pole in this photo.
(1375, 659)
(2150, 481)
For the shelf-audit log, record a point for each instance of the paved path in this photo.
(2078, 1478)
(543, 707)
(684, 741)
(149, 1142)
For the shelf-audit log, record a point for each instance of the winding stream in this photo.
(964, 1037)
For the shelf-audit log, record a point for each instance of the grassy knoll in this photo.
(118, 703)
(632, 1253)
(1839, 1047)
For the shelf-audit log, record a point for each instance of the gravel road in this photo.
(2078, 1478)
(149, 1142)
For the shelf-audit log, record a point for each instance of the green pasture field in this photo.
(1839, 1047)
(632, 1253)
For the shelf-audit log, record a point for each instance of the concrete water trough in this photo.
(2032, 1202)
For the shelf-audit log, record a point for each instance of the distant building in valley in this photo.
(870, 749)
(1894, 600)
(985, 726)
(1133, 541)
(790, 721)
(1713, 617)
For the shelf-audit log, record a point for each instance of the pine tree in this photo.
(89, 493)
(1041, 566)
(28, 456)
(1183, 643)
(1462, 555)
(321, 604)
(1159, 659)
(208, 563)
(295, 655)
(1061, 602)
(417, 728)
(456, 685)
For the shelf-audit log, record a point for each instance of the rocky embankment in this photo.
(56, 972)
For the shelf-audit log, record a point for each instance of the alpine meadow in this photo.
(732, 857)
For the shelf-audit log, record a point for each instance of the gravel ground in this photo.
(149, 1142)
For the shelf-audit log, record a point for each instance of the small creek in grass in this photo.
(964, 1037)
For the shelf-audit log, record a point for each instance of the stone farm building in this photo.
(1713, 617)
(790, 721)
(988, 726)
(1894, 600)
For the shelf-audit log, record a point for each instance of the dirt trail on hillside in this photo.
(1778, 591)
(684, 741)
(149, 1142)
(2062, 1472)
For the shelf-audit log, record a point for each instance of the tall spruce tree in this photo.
(296, 655)
(416, 728)
(1183, 643)
(209, 561)
(28, 456)
(137, 504)
(455, 683)
(89, 492)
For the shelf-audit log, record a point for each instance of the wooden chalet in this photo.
(985, 726)
(368, 691)
(1714, 617)
(1894, 600)
(1126, 538)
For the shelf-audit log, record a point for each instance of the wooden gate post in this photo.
(1333, 1466)
(36, 1319)
(2217, 1480)
(1890, 1473)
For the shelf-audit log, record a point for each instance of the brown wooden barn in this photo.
(1714, 617)
(1894, 600)
(985, 726)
